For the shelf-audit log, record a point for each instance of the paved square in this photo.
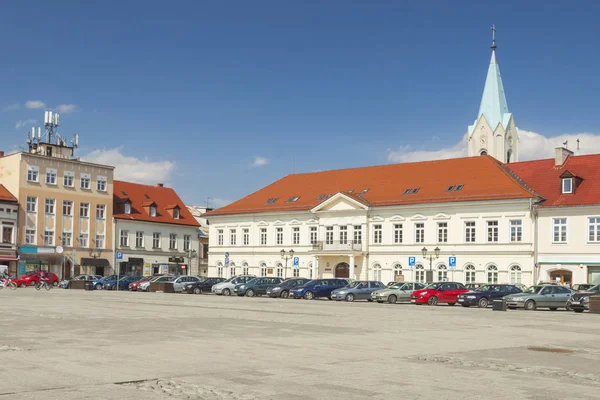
(72, 344)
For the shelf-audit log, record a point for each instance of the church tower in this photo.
(494, 131)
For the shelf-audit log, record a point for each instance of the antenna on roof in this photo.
(207, 198)
(577, 152)
(493, 28)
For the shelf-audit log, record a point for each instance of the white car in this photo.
(180, 282)
(143, 287)
(226, 288)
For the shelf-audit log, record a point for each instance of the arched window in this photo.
(263, 269)
(442, 273)
(231, 269)
(483, 153)
(420, 274)
(245, 269)
(279, 270)
(469, 274)
(310, 271)
(376, 272)
(397, 271)
(515, 274)
(492, 274)
(219, 270)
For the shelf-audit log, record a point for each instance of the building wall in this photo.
(8, 235)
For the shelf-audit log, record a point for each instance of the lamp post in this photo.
(191, 254)
(286, 256)
(431, 257)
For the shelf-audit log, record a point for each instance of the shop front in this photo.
(132, 267)
(33, 259)
(95, 266)
(9, 263)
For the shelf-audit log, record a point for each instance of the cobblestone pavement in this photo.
(73, 344)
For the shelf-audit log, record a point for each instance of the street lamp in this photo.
(286, 256)
(431, 257)
(191, 254)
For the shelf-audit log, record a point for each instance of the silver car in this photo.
(180, 282)
(545, 296)
(226, 288)
(143, 287)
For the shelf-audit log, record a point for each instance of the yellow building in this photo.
(65, 210)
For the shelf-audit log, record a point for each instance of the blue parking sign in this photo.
(412, 261)
(452, 262)
(119, 255)
(296, 261)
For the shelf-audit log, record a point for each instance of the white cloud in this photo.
(11, 107)
(132, 169)
(66, 108)
(532, 146)
(259, 161)
(35, 104)
(21, 124)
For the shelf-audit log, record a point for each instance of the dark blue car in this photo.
(124, 282)
(317, 288)
(99, 283)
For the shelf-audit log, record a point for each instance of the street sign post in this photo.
(227, 258)
(119, 255)
(412, 261)
(452, 262)
(296, 262)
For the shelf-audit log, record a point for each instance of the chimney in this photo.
(560, 155)
(160, 185)
(1, 154)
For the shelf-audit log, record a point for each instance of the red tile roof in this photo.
(141, 195)
(483, 178)
(5, 195)
(543, 177)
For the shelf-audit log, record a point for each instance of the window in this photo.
(296, 272)
(124, 238)
(67, 207)
(296, 235)
(156, 240)
(49, 209)
(49, 238)
(232, 270)
(245, 269)
(594, 229)
(397, 271)
(50, 176)
(279, 236)
(30, 236)
(66, 239)
(153, 211)
(176, 213)
(246, 236)
(376, 272)
(220, 271)
(567, 185)
(84, 209)
(329, 235)
(516, 230)
(515, 274)
(187, 239)
(492, 231)
(357, 234)
(68, 178)
(100, 208)
(420, 274)
(397, 233)
(101, 184)
(313, 235)
(263, 236)
(7, 234)
(492, 274)
(85, 181)
(263, 270)
(83, 240)
(99, 241)
(442, 232)
(420, 233)
(139, 239)
(279, 271)
(470, 231)
(442, 273)
(560, 230)
(33, 173)
(220, 237)
(127, 208)
(232, 237)
(469, 274)
(31, 204)
(173, 241)
(343, 234)
(377, 234)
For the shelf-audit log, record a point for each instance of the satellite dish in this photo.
(59, 249)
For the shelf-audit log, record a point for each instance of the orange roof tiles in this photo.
(145, 195)
(5, 195)
(483, 178)
(544, 177)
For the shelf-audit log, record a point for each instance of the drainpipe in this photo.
(115, 235)
(535, 243)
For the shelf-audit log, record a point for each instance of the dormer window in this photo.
(127, 209)
(176, 213)
(567, 185)
(153, 211)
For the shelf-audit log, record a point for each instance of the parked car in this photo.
(357, 290)
(121, 283)
(133, 286)
(98, 284)
(225, 288)
(484, 296)
(283, 290)
(318, 288)
(398, 291)
(203, 285)
(66, 283)
(545, 296)
(32, 278)
(256, 286)
(143, 287)
(180, 282)
(580, 301)
(474, 286)
(582, 287)
(439, 292)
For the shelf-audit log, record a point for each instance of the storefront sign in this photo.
(147, 270)
(22, 268)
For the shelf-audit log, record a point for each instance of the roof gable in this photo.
(5, 195)
(340, 202)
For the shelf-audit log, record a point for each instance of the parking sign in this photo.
(119, 255)
(452, 262)
(296, 261)
(412, 261)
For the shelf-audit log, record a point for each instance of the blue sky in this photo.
(192, 93)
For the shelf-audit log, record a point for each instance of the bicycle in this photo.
(43, 283)
(8, 282)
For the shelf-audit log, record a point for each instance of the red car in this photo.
(134, 285)
(33, 277)
(439, 292)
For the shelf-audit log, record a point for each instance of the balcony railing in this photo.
(338, 245)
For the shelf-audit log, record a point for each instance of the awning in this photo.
(8, 258)
(94, 262)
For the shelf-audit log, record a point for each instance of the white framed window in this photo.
(68, 178)
(33, 173)
(127, 208)
(100, 211)
(279, 271)
(7, 234)
(67, 207)
(296, 235)
(232, 237)
(492, 231)
(99, 241)
(49, 206)
(469, 274)
(245, 269)
(310, 271)
(492, 274)
(470, 231)
(358, 234)
(343, 234)
(313, 235)
(516, 230)
(377, 234)
(442, 232)
(296, 272)
(220, 237)
(176, 213)
(49, 238)
(515, 274)
(232, 270)
(442, 273)
(172, 241)
(263, 236)
(398, 234)
(124, 238)
(187, 239)
(51, 176)
(84, 181)
(263, 270)
(397, 270)
(279, 235)
(67, 239)
(594, 229)
(329, 235)
(30, 236)
(31, 204)
(420, 232)
(84, 210)
(156, 240)
(101, 183)
(419, 274)
(377, 272)
(83, 240)
(559, 227)
(153, 211)
(567, 185)
(220, 271)
(139, 239)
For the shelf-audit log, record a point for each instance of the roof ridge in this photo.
(517, 179)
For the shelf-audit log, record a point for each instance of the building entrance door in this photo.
(342, 270)
(563, 276)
